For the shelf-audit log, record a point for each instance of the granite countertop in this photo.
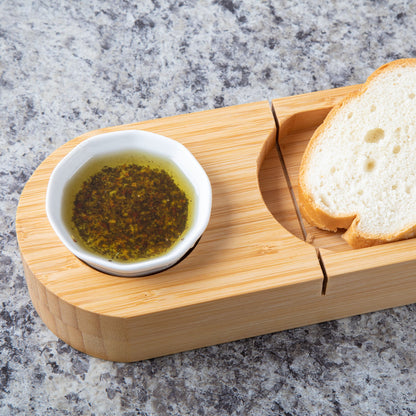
(71, 67)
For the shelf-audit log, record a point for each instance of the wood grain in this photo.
(251, 272)
(247, 276)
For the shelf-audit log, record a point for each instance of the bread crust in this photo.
(309, 209)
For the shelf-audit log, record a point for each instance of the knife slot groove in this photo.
(296, 206)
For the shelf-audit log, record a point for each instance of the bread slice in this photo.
(358, 171)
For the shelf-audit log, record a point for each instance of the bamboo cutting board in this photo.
(258, 268)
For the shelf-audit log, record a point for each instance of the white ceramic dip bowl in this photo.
(135, 141)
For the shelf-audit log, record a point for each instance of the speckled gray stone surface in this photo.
(68, 67)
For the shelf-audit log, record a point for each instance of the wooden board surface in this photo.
(242, 279)
(257, 268)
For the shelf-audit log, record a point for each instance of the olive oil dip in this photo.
(126, 207)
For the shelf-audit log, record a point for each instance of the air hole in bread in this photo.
(349, 115)
(374, 135)
(408, 189)
(394, 187)
(373, 108)
(369, 165)
(332, 171)
(396, 149)
(397, 132)
(411, 95)
(360, 192)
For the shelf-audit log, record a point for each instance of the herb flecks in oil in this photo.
(130, 212)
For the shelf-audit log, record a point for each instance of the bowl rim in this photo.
(203, 196)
